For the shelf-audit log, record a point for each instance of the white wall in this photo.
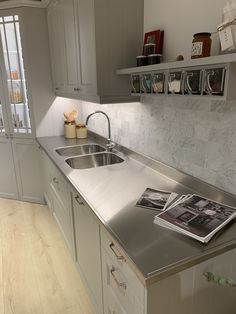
(194, 135)
(180, 20)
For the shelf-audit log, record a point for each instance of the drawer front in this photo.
(112, 304)
(120, 270)
(63, 217)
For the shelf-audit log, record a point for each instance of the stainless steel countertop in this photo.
(112, 192)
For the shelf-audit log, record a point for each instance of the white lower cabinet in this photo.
(189, 291)
(113, 285)
(88, 256)
(122, 290)
(47, 194)
(58, 197)
(20, 172)
(26, 156)
(8, 184)
(112, 304)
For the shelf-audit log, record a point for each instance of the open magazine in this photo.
(157, 199)
(196, 216)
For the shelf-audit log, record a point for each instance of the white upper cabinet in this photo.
(86, 47)
(89, 40)
(62, 36)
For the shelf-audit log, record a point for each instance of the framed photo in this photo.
(154, 37)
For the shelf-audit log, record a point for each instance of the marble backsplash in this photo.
(197, 136)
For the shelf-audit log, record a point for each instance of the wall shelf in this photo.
(213, 77)
(221, 59)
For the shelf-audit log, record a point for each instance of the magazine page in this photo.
(196, 216)
(155, 199)
(175, 201)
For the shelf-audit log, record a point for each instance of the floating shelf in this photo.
(221, 59)
(226, 63)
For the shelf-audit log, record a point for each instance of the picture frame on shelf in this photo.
(154, 37)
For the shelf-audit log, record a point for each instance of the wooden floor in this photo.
(37, 274)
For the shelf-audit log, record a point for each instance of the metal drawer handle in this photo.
(119, 257)
(78, 200)
(55, 180)
(208, 84)
(119, 284)
(210, 277)
(189, 88)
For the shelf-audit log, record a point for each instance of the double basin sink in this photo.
(88, 156)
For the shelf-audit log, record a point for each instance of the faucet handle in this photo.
(110, 145)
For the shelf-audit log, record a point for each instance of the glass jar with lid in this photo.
(81, 131)
(69, 129)
(201, 45)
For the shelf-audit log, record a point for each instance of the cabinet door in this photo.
(62, 37)
(28, 171)
(8, 184)
(71, 52)
(213, 297)
(4, 124)
(85, 20)
(14, 81)
(56, 41)
(58, 191)
(87, 238)
(46, 179)
(190, 291)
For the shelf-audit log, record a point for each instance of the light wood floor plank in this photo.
(38, 274)
(21, 294)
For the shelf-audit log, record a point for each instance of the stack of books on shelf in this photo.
(193, 215)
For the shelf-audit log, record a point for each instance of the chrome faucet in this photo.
(110, 145)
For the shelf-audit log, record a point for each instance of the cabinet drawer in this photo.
(63, 218)
(134, 288)
(112, 304)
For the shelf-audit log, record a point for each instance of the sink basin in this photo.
(92, 161)
(78, 150)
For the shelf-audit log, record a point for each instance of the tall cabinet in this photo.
(19, 156)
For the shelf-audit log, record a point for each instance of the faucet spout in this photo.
(110, 144)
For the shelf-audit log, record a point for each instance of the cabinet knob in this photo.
(76, 89)
(57, 88)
